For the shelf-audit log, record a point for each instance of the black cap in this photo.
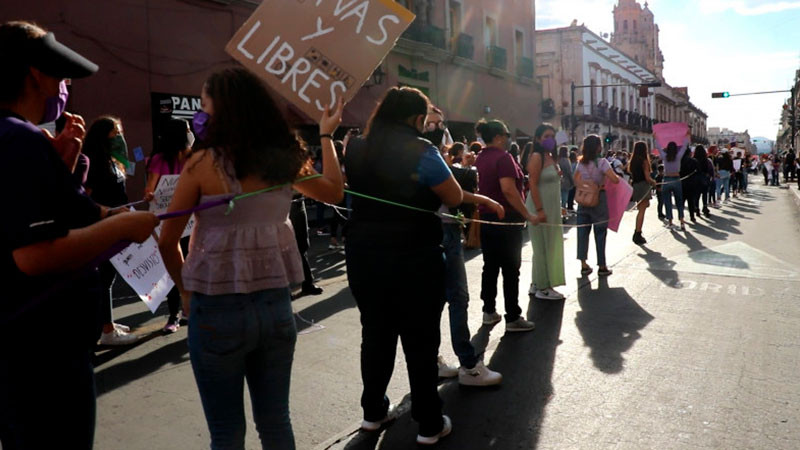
(57, 60)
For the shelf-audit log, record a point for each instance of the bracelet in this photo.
(326, 136)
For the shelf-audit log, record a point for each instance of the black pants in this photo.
(410, 310)
(47, 398)
(502, 251)
(299, 220)
(660, 200)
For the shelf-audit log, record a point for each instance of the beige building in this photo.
(610, 105)
(723, 136)
(473, 58)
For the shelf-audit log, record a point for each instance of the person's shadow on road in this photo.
(609, 322)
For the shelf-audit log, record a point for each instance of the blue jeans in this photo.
(724, 183)
(457, 294)
(672, 187)
(564, 197)
(595, 214)
(238, 336)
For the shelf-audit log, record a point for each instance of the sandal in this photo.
(586, 270)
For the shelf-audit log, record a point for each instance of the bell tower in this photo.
(636, 34)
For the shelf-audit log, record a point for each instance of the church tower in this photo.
(636, 34)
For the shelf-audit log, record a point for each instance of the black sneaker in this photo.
(311, 289)
(638, 239)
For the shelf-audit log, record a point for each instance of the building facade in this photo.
(611, 104)
(474, 58)
(723, 136)
(785, 140)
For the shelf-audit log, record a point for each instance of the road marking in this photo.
(734, 259)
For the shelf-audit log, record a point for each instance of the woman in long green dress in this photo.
(544, 201)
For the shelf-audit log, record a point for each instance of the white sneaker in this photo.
(121, 327)
(491, 318)
(430, 440)
(391, 415)
(446, 371)
(549, 294)
(480, 375)
(519, 325)
(118, 337)
(532, 290)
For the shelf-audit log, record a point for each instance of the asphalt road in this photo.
(693, 342)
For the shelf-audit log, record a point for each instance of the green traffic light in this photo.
(726, 94)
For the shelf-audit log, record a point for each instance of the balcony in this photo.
(525, 67)
(464, 46)
(426, 33)
(496, 57)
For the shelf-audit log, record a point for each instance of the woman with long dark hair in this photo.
(639, 168)
(500, 178)
(107, 150)
(235, 280)
(690, 184)
(672, 180)
(598, 170)
(545, 202)
(392, 161)
(174, 144)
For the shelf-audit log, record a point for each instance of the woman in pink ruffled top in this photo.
(235, 280)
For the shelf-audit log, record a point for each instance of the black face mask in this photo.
(434, 136)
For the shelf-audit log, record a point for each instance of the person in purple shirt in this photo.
(501, 179)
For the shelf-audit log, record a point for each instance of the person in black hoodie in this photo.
(705, 170)
(690, 181)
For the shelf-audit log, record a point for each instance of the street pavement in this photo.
(692, 342)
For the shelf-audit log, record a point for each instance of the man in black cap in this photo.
(48, 236)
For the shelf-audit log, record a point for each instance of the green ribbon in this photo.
(233, 200)
(121, 158)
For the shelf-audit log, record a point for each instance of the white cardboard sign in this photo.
(142, 267)
(162, 198)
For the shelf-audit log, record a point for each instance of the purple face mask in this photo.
(54, 106)
(200, 124)
(549, 144)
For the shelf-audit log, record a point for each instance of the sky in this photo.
(709, 46)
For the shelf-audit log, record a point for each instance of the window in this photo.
(519, 44)
(625, 25)
(455, 18)
(634, 26)
(490, 32)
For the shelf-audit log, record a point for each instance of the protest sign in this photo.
(561, 137)
(670, 132)
(313, 52)
(142, 267)
(737, 164)
(618, 195)
(162, 197)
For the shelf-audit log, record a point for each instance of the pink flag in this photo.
(618, 196)
(670, 132)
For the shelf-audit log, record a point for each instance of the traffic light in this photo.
(725, 94)
(607, 139)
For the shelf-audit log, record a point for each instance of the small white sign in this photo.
(142, 267)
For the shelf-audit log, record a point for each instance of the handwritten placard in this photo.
(162, 197)
(314, 51)
(142, 267)
(670, 132)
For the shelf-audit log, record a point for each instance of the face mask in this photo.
(189, 139)
(200, 124)
(434, 136)
(54, 106)
(119, 150)
(549, 144)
